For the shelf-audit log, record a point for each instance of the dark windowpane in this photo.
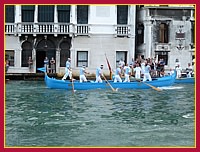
(28, 7)
(27, 16)
(193, 32)
(28, 13)
(64, 52)
(64, 55)
(9, 16)
(122, 14)
(63, 13)
(162, 55)
(163, 33)
(121, 55)
(26, 52)
(45, 13)
(10, 54)
(82, 14)
(63, 7)
(82, 58)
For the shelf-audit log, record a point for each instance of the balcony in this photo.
(122, 31)
(65, 29)
(11, 28)
(46, 28)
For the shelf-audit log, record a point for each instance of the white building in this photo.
(85, 33)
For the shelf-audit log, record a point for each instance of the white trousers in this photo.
(83, 78)
(147, 76)
(117, 78)
(67, 73)
(127, 79)
(137, 75)
(98, 79)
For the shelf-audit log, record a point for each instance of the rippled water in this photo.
(38, 116)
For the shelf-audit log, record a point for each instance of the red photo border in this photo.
(23, 149)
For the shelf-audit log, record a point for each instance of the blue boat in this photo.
(185, 80)
(54, 83)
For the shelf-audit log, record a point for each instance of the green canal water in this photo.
(38, 116)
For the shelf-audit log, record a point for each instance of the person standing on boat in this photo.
(127, 72)
(118, 74)
(137, 71)
(82, 74)
(99, 74)
(189, 70)
(171, 71)
(46, 64)
(68, 70)
(147, 75)
(178, 71)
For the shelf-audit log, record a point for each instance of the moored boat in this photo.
(76, 85)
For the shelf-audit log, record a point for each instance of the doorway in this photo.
(40, 55)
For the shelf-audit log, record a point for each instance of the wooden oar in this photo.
(108, 83)
(155, 88)
(73, 85)
(109, 67)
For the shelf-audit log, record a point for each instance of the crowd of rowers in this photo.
(140, 69)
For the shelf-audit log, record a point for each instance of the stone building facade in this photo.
(90, 33)
(167, 32)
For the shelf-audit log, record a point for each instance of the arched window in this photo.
(64, 53)
(26, 52)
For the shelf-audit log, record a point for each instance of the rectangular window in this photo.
(193, 32)
(82, 58)
(45, 13)
(9, 13)
(82, 14)
(121, 55)
(28, 13)
(9, 55)
(162, 55)
(180, 35)
(163, 33)
(63, 13)
(122, 14)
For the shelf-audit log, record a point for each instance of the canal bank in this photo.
(38, 76)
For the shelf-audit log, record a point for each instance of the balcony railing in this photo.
(122, 30)
(81, 29)
(58, 28)
(10, 28)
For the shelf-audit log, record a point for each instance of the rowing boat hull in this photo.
(67, 85)
(185, 80)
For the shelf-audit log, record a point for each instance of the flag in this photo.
(109, 67)
(43, 69)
